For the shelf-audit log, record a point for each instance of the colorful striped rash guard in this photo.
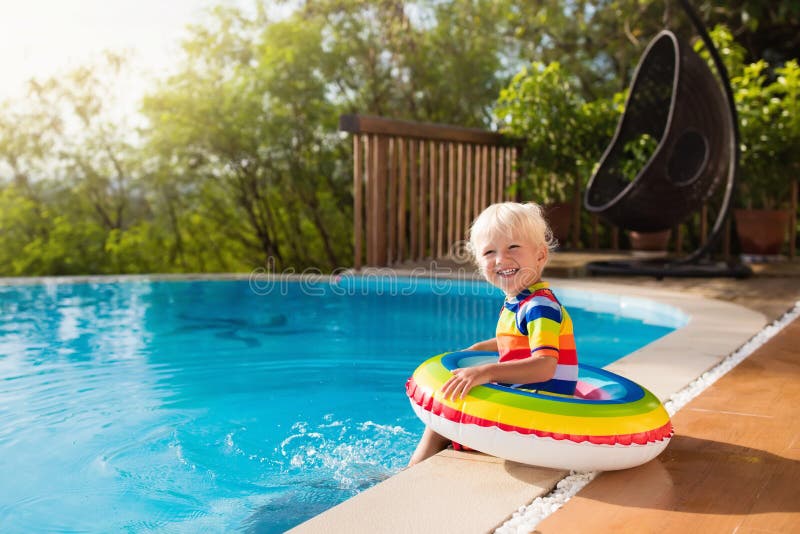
(535, 324)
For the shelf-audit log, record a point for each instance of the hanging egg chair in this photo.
(675, 100)
(677, 104)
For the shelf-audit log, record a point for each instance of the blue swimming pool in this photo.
(230, 405)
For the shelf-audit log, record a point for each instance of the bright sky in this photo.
(40, 38)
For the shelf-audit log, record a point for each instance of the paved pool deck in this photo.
(471, 492)
(733, 465)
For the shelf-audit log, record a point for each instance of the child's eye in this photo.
(513, 246)
(488, 252)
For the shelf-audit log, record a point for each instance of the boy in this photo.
(511, 243)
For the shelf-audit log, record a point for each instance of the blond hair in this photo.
(525, 222)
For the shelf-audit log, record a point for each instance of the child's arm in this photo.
(488, 345)
(528, 370)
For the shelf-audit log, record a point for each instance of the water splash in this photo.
(353, 455)
(324, 462)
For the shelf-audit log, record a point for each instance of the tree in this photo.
(766, 29)
(74, 177)
(239, 161)
(246, 125)
(425, 61)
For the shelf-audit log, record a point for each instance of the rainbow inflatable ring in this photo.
(611, 423)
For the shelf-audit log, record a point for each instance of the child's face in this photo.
(511, 264)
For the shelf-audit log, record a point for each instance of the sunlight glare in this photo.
(43, 38)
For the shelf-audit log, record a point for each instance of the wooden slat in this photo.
(482, 175)
(372, 195)
(509, 174)
(493, 176)
(380, 205)
(432, 202)
(595, 232)
(391, 199)
(358, 203)
(402, 216)
(369, 159)
(514, 173)
(416, 201)
(501, 171)
(486, 197)
(451, 195)
(469, 176)
(440, 232)
(456, 221)
(500, 174)
(503, 182)
(507, 179)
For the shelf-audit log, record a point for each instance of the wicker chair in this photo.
(675, 99)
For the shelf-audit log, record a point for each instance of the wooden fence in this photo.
(417, 186)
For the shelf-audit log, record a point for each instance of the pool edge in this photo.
(469, 492)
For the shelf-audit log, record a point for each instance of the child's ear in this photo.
(543, 253)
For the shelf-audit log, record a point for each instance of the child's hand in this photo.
(463, 380)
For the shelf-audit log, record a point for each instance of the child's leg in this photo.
(428, 445)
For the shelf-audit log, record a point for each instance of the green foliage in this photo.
(590, 39)
(635, 154)
(764, 29)
(46, 238)
(766, 100)
(252, 146)
(235, 159)
(418, 60)
(564, 134)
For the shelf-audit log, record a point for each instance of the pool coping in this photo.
(471, 492)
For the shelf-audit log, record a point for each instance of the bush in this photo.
(766, 100)
(564, 134)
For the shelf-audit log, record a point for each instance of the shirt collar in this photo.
(525, 293)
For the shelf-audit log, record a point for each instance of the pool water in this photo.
(226, 405)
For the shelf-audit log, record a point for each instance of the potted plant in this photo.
(769, 126)
(564, 136)
(770, 161)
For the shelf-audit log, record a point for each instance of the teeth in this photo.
(507, 272)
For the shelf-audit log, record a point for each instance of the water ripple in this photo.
(175, 406)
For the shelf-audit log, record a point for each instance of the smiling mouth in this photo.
(507, 272)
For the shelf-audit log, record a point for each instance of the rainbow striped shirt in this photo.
(534, 323)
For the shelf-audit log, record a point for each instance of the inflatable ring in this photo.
(611, 422)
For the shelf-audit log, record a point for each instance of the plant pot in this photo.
(650, 241)
(559, 217)
(761, 232)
